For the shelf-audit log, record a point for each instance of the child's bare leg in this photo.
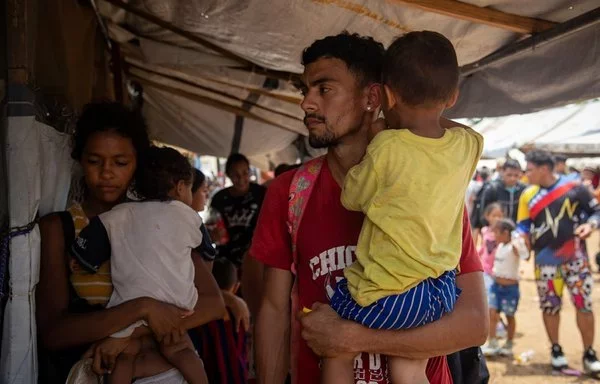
(183, 356)
(406, 371)
(122, 373)
(494, 319)
(337, 371)
(511, 327)
(150, 361)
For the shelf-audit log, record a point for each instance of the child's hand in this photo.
(377, 126)
(165, 320)
(106, 353)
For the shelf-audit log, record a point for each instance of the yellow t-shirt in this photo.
(411, 189)
(97, 287)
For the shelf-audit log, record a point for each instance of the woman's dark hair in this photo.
(233, 159)
(114, 117)
(164, 168)
(489, 208)
(199, 180)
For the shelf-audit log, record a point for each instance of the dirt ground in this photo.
(532, 336)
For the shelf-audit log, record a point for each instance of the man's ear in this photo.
(373, 97)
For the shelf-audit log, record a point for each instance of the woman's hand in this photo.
(165, 320)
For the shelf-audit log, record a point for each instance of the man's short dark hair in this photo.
(512, 164)
(421, 67)
(540, 158)
(225, 273)
(484, 173)
(362, 54)
(560, 159)
(233, 159)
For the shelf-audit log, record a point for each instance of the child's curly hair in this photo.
(164, 168)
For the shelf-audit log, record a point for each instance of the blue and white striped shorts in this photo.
(425, 303)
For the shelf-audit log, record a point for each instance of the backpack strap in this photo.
(300, 191)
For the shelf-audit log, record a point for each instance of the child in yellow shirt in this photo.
(411, 185)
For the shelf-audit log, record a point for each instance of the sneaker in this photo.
(491, 348)
(557, 358)
(507, 349)
(591, 365)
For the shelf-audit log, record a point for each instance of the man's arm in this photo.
(590, 206)
(464, 327)
(273, 327)
(252, 283)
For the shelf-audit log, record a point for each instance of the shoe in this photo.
(591, 365)
(491, 348)
(557, 358)
(507, 349)
(82, 373)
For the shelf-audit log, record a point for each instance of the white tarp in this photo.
(273, 34)
(39, 171)
(570, 129)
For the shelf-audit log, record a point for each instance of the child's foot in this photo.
(491, 348)
(507, 349)
(557, 358)
(591, 365)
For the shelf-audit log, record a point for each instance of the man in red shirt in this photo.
(342, 97)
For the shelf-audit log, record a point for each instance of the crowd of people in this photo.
(357, 267)
(549, 210)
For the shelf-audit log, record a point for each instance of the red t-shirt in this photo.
(327, 240)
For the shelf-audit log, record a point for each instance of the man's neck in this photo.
(346, 155)
(549, 181)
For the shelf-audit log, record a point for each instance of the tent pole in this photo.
(117, 69)
(561, 30)
(250, 101)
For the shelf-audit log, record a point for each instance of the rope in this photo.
(4, 251)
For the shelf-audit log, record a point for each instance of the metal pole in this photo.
(564, 29)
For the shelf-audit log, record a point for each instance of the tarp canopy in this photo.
(202, 63)
(573, 130)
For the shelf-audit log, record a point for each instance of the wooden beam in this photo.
(137, 63)
(20, 45)
(488, 16)
(145, 72)
(244, 63)
(213, 103)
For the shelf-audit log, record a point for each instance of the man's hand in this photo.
(584, 231)
(326, 333)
